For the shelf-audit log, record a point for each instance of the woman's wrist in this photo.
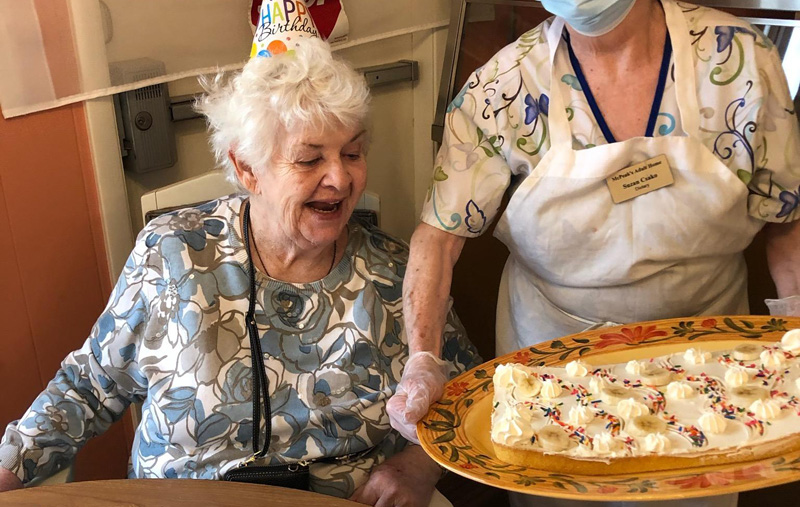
(430, 467)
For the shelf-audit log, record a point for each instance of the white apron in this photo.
(578, 260)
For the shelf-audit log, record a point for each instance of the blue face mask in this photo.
(590, 17)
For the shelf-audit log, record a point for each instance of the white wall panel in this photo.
(402, 154)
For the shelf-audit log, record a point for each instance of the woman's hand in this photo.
(422, 384)
(9, 480)
(406, 479)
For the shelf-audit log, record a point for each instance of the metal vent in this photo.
(148, 92)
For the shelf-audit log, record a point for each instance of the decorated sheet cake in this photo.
(694, 408)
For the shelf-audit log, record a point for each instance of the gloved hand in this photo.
(787, 306)
(421, 385)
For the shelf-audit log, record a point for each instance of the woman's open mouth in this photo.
(325, 207)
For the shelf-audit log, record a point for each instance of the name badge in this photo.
(640, 179)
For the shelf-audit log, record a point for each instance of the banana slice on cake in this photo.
(553, 438)
(656, 376)
(611, 394)
(747, 352)
(743, 396)
(644, 425)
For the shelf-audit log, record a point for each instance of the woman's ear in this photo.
(244, 173)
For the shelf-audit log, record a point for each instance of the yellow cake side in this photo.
(561, 463)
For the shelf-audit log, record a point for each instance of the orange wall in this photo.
(53, 271)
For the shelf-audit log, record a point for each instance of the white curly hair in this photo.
(309, 87)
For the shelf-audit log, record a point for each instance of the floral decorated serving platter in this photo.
(456, 431)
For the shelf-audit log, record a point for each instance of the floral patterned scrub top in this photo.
(173, 337)
(496, 128)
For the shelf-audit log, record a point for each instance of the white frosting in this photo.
(596, 385)
(580, 415)
(511, 425)
(697, 356)
(736, 376)
(605, 443)
(502, 380)
(772, 358)
(712, 422)
(657, 443)
(766, 410)
(696, 397)
(550, 389)
(791, 340)
(634, 367)
(511, 433)
(679, 390)
(628, 409)
(576, 369)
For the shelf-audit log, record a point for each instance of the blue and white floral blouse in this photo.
(496, 128)
(173, 337)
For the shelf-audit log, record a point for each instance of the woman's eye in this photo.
(353, 156)
(310, 163)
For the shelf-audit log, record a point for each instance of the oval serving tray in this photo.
(456, 431)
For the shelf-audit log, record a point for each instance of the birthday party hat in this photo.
(282, 26)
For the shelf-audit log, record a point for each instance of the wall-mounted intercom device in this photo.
(147, 136)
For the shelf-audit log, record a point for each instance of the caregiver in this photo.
(559, 119)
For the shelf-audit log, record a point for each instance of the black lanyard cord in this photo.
(260, 380)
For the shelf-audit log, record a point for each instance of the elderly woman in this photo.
(282, 264)
(562, 119)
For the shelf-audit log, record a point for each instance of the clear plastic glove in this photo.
(787, 306)
(421, 385)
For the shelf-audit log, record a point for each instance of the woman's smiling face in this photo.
(313, 182)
